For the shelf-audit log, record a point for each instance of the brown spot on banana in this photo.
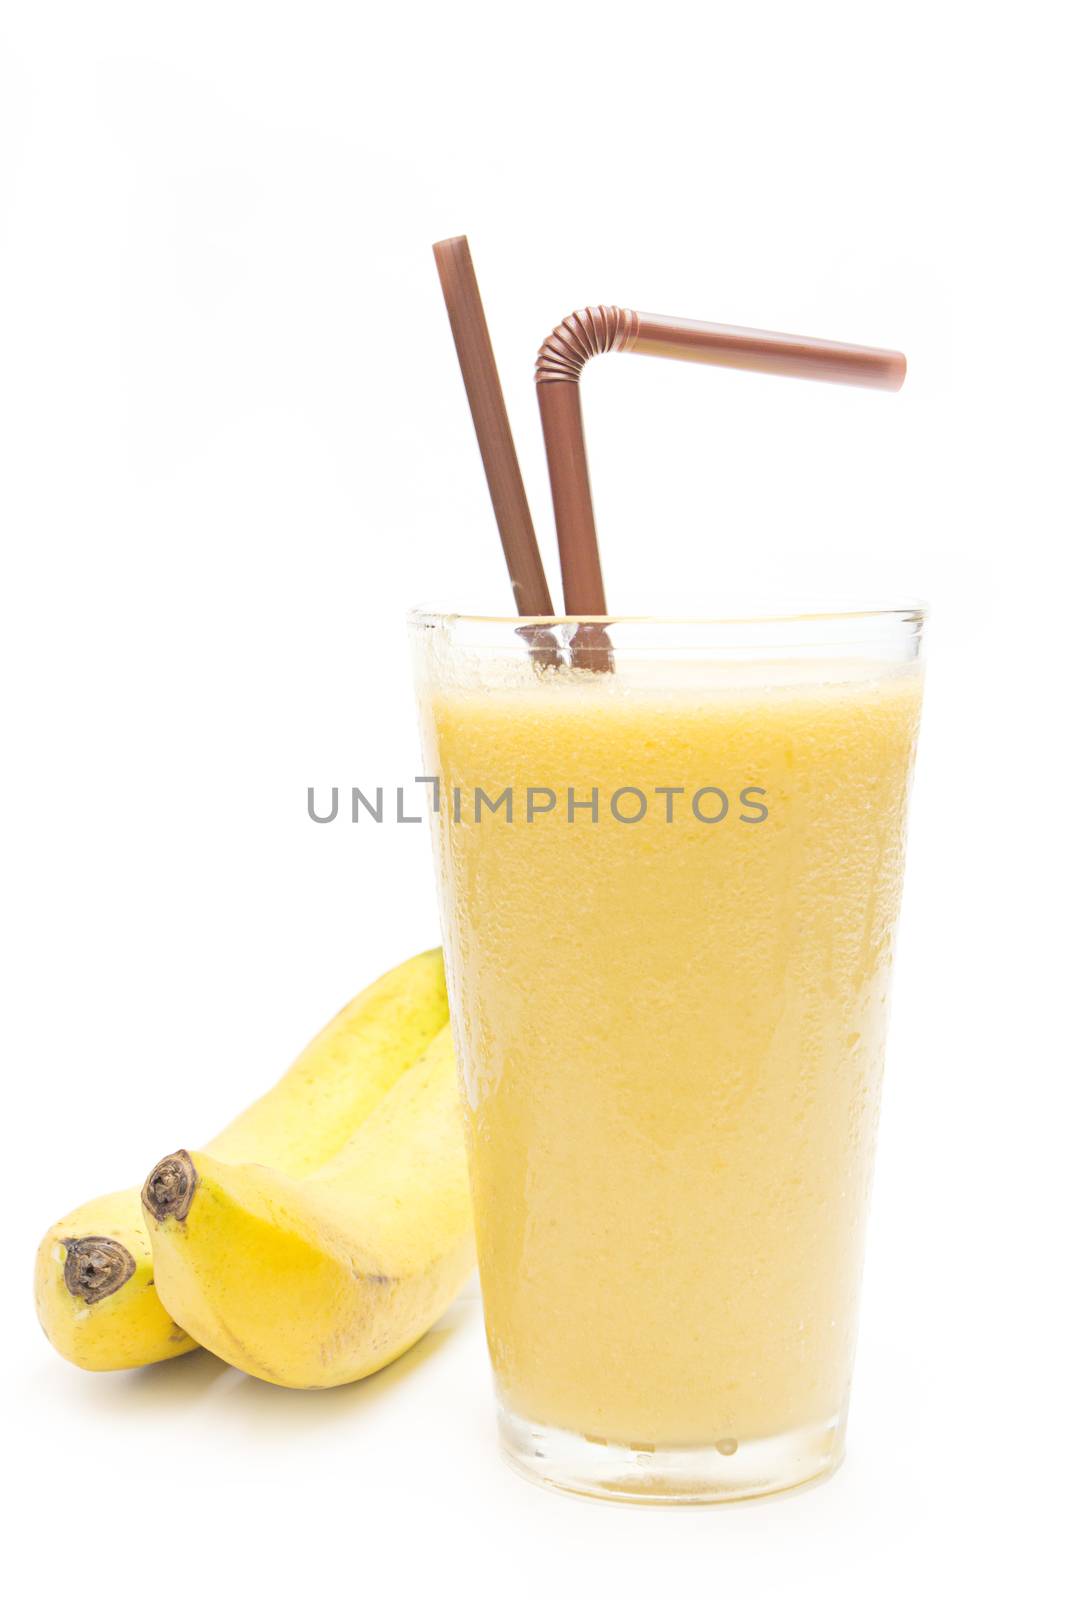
(95, 1267)
(169, 1188)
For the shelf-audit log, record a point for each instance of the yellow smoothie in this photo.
(671, 1032)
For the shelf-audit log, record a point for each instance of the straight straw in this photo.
(482, 381)
(598, 329)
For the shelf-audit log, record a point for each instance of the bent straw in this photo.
(482, 382)
(598, 329)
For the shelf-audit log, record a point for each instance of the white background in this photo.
(235, 448)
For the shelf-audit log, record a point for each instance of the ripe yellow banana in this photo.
(315, 1282)
(95, 1284)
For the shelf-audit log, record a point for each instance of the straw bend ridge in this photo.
(592, 332)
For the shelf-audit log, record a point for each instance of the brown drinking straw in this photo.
(482, 381)
(598, 329)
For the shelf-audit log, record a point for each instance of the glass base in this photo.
(693, 1475)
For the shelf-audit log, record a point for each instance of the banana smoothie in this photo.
(669, 1007)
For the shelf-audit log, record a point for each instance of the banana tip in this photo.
(169, 1188)
(95, 1267)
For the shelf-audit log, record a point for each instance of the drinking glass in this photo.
(668, 893)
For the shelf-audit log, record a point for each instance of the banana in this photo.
(95, 1283)
(316, 1282)
(95, 1292)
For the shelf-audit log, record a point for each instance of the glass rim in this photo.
(913, 612)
